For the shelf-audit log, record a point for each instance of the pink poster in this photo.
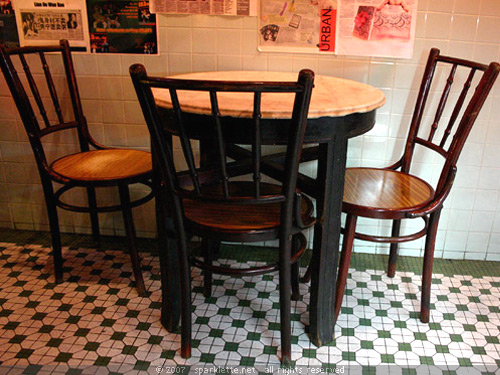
(383, 28)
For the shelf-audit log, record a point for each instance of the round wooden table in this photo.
(339, 109)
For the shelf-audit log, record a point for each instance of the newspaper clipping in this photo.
(384, 28)
(213, 7)
(297, 25)
(42, 22)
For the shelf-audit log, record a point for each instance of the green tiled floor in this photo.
(95, 320)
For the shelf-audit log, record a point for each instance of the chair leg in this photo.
(430, 243)
(345, 260)
(393, 254)
(206, 246)
(185, 280)
(285, 304)
(295, 270)
(54, 230)
(307, 276)
(94, 218)
(130, 230)
(185, 305)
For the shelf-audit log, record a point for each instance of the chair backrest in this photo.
(448, 141)
(36, 81)
(198, 182)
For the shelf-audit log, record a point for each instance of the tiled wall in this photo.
(470, 224)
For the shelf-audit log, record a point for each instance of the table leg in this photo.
(330, 178)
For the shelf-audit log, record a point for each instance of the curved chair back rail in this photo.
(209, 199)
(46, 95)
(394, 193)
(464, 110)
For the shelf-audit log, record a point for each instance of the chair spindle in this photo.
(256, 145)
(185, 143)
(52, 89)
(458, 106)
(442, 102)
(220, 143)
(34, 90)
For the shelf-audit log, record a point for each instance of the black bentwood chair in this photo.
(207, 202)
(88, 168)
(396, 195)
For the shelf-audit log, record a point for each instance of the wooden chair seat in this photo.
(244, 217)
(103, 165)
(383, 193)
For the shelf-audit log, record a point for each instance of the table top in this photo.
(331, 97)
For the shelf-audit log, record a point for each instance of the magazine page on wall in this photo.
(122, 26)
(380, 28)
(306, 26)
(44, 22)
(8, 28)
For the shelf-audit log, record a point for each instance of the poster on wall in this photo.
(213, 7)
(380, 28)
(8, 28)
(376, 28)
(297, 25)
(42, 22)
(122, 26)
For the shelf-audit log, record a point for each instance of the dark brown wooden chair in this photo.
(206, 201)
(396, 195)
(90, 169)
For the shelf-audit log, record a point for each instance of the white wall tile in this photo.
(482, 221)
(201, 20)
(229, 62)
(114, 112)
(254, 62)
(178, 20)
(440, 6)
(329, 65)
(382, 74)
(304, 62)
(462, 49)
(486, 53)
(229, 41)
(438, 25)
(488, 29)
(111, 88)
(109, 65)
(204, 40)
(280, 62)
(204, 63)
(464, 28)
(179, 40)
(489, 8)
(470, 224)
(179, 63)
(228, 22)
(127, 60)
(466, 7)
(356, 70)
(486, 200)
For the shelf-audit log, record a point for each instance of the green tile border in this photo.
(360, 261)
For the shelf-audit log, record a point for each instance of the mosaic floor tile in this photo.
(95, 323)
